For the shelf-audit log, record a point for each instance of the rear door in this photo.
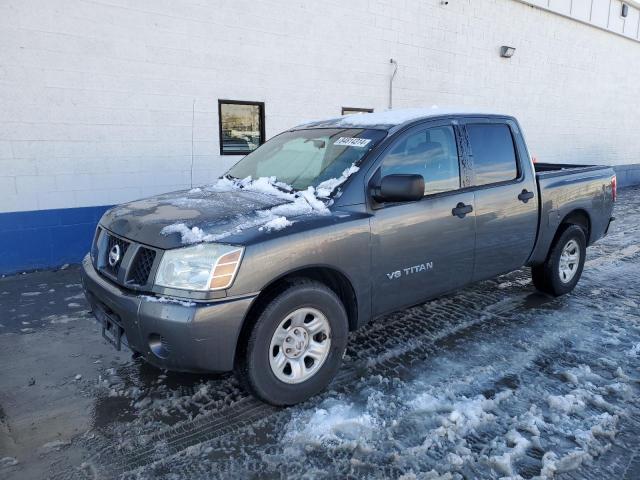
(506, 200)
(421, 249)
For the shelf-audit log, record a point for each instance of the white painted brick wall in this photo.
(96, 96)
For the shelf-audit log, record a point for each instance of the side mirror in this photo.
(399, 188)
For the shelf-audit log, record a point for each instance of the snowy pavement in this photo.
(493, 381)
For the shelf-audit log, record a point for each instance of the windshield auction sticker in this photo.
(353, 142)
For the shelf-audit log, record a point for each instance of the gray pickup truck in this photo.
(328, 226)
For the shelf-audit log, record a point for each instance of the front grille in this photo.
(111, 242)
(141, 267)
(135, 266)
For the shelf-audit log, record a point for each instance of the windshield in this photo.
(304, 158)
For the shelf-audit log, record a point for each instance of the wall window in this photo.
(241, 126)
(431, 153)
(351, 111)
(494, 157)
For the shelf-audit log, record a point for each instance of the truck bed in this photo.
(550, 170)
(565, 188)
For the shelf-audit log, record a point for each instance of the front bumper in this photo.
(197, 337)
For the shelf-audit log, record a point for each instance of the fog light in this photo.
(159, 345)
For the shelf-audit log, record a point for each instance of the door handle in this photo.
(461, 210)
(525, 196)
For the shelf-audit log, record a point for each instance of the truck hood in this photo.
(215, 214)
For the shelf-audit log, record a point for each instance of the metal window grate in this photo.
(141, 268)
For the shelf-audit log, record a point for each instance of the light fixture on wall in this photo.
(625, 10)
(507, 52)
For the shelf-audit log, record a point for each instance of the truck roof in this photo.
(389, 119)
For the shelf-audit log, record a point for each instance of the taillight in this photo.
(614, 188)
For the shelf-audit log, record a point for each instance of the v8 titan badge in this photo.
(423, 267)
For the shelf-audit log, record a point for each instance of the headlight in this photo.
(204, 267)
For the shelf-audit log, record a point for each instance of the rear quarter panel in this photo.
(560, 195)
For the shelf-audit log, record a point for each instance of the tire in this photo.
(305, 311)
(556, 276)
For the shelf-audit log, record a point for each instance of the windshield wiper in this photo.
(282, 188)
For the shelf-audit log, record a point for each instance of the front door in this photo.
(424, 248)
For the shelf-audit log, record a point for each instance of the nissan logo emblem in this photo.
(114, 255)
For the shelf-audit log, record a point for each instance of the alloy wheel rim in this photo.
(569, 261)
(300, 345)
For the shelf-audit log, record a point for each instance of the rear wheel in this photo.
(296, 345)
(562, 269)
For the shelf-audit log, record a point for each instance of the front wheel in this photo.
(296, 345)
(562, 269)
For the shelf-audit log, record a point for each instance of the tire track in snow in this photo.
(528, 368)
(444, 318)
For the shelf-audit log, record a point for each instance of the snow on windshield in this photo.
(305, 202)
(325, 188)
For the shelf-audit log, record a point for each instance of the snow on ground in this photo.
(462, 424)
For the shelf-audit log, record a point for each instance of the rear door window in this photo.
(494, 156)
(431, 153)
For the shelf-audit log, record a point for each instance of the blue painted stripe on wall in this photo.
(46, 238)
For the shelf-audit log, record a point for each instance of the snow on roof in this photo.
(398, 116)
